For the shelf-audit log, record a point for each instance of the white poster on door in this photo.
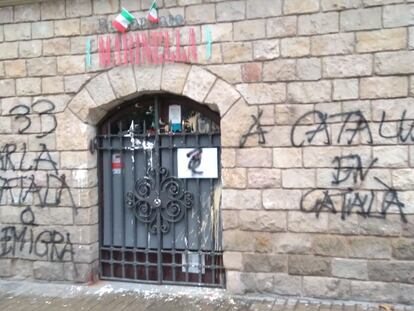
(197, 162)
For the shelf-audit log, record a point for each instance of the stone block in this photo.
(240, 241)
(234, 284)
(29, 48)
(347, 66)
(292, 243)
(361, 19)
(295, 47)
(264, 263)
(339, 5)
(230, 219)
(8, 50)
(230, 11)
(41, 30)
(381, 40)
(281, 26)
(298, 6)
(72, 134)
(219, 32)
(398, 15)
(329, 245)
(299, 221)
(234, 178)
(242, 199)
(76, 8)
(281, 199)
(198, 84)
(222, 95)
(350, 225)
(266, 49)
(56, 46)
(74, 83)
(232, 260)
(318, 23)
(287, 157)
(67, 27)
(15, 68)
(263, 93)
(390, 63)
(342, 43)
(386, 271)
(174, 78)
(6, 267)
(122, 80)
(309, 68)
(261, 8)
(48, 271)
(249, 30)
(235, 131)
(53, 9)
(105, 6)
(148, 78)
(263, 178)
(279, 70)
(308, 92)
(391, 156)
(230, 73)
(27, 13)
(14, 32)
(383, 87)
(309, 265)
(345, 89)
(28, 86)
(71, 64)
(228, 157)
(268, 221)
(374, 291)
(320, 156)
(350, 269)
(369, 247)
(43, 66)
(52, 85)
(200, 14)
(254, 157)
(6, 14)
(234, 52)
(323, 287)
(403, 249)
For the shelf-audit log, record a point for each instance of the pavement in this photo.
(118, 296)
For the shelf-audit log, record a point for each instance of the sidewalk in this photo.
(19, 295)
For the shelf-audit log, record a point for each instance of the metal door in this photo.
(157, 227)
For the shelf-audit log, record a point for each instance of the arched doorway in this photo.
(160, 192)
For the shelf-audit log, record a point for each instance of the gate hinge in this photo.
(93, 145)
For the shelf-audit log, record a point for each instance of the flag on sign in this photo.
(123, 20)
(153, 13)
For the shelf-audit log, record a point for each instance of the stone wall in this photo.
(317, 133)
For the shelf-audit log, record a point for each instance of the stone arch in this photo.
(109, 88)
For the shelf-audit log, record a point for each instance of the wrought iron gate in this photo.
(159, 207)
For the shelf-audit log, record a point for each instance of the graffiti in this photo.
(354, 129)
(347, 165)
(255, 129)
(195, 160)
(350, 172)
(42, 109)
(51, 245)
(139, 48)
(318, 200)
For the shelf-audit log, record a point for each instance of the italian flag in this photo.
(123, 20)
(153, 13)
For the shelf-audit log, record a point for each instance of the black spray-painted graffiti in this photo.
(195, 160)
(16, 190)
(42, 109)
(255, 129)
(350, 171)
(51, 245)
(143, 23)
(354, 128)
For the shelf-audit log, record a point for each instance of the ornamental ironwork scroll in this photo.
(169, 199)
